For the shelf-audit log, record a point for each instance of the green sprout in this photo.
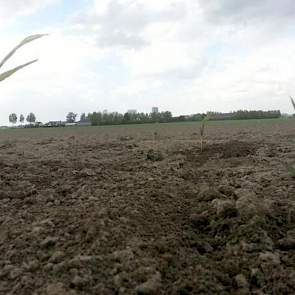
(293, 102)
(8, 73)
(291, 168)
(202, 131)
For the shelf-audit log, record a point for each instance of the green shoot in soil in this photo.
(202, 130)
(291, 168)
(293, 102)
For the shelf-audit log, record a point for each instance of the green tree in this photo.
(93, 119)
(83, 117)
(21, 118)
(155, 117)
(166, 116)
(13, 118)
(126, 118)
(31, 118)
(71, 117)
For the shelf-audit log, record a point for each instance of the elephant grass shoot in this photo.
(293, 102)
(27, 40)
(202, 131)
(291, 168)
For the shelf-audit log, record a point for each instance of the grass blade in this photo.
(7, 74)
(24, 42)
(293, 102)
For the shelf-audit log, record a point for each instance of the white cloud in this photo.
(138, 86)
(240, 10)
(123, 22)
(260, 80)
(183, 55)
(158, 58)
(10, 10)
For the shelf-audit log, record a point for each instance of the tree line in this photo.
(115, 118)
(245, 115)
(31, 118)
(237, 115)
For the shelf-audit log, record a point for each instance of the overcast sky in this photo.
(187, 56)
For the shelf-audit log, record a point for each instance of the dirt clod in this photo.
(151, 286)
(49, 242)
(286, 244)
(241, 281)
(57, 257)
(154, 155)
(225, 208)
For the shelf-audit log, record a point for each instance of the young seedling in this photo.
(156, 136)
(8, 73)
(291, 168)
(202, 131)
(293, 102)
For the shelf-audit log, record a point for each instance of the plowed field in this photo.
(140, 210)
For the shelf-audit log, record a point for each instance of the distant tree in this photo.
(71, 117)
(93, 119)
(165, 116)
(115, 118)
(13, 118)
(21, 118)
(126, 118)
(155, 117)
(83, 117)
(31, 118)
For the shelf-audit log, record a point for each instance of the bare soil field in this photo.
(139, 210)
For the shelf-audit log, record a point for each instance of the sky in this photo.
(186, 56)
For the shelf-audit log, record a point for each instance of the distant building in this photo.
(71, 124)
(132, 111)
(54, 124)
(155, 110)
(38, 124)
(84, 123)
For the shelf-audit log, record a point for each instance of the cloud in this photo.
(138, 86)
(10, 10)
(123, 22)
(260, 80)
(183, 55)
(248, 11)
